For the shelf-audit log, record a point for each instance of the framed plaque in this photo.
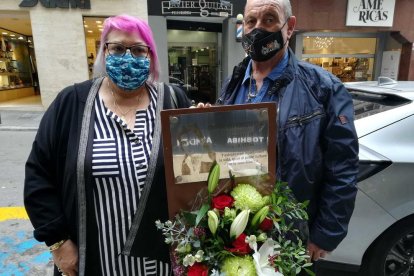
(240, 138)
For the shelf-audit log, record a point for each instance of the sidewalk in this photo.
(21, 115)
(20, 120)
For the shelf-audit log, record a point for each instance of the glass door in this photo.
(193, 63)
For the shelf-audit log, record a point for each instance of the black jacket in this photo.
(317, 144)
(53, 194)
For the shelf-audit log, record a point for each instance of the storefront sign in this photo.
(64, 4)
(371, 13)
(199, 8)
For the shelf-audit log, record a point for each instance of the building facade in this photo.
(59, 36)
(198, 41)
(357, 39)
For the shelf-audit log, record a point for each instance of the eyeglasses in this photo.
(119, 50)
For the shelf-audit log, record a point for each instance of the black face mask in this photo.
(262, 45)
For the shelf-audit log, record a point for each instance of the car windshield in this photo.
(367, 104)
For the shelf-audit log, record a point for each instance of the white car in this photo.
(380, 239)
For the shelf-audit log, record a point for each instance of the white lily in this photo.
(213, 221)
(239, 224)
(252, 241)
(261, 259)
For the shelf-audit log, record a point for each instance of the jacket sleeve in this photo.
(41, 194)
(338, 191)
(182, 99)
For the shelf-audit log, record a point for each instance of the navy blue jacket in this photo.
(317, 144)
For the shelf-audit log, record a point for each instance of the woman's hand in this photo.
(203, 105)
(66, 258)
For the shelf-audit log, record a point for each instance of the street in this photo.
(20, 254)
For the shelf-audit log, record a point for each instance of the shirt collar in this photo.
(274, 74)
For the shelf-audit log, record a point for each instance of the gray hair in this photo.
(287, 7)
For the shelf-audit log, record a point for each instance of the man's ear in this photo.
(291, 25)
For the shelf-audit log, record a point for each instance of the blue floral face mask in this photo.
(128, 72)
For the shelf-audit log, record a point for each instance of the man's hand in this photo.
(66, 258)
(315, 252)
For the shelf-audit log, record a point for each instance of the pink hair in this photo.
(128, 24)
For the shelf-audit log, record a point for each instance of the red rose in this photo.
(266, 225)
(240, 246)
(198, 269)
(222, 201)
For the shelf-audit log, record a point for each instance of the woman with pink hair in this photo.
(95, 182)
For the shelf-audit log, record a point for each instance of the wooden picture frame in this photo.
(241, 138)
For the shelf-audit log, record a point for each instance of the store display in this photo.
(346, 69)
(15, 69)
(348, 58)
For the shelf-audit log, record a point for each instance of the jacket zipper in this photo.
(279, 143)
(302, 120)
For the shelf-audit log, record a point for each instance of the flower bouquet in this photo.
(237, 230)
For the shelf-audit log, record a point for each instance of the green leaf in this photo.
(279, 200)
(201, 213)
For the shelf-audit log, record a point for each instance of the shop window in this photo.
(193, 63)
(93, 27)
(15, 61)
(349, 58)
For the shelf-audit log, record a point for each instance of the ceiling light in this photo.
(21, 38)
(12, 35)
(98, 22)
(99, 26)
(89, 31)
(100, 30)
(4, 33)
(86, 26)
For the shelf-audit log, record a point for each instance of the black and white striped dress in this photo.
(119, 165)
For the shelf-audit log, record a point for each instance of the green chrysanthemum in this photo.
(239, 266)
(247, 197)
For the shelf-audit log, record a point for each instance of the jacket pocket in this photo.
(105, 158)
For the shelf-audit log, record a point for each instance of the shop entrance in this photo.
(193, 62)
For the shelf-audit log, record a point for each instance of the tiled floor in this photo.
(32, 103)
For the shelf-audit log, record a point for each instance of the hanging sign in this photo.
(370, 13)
(64, 4)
